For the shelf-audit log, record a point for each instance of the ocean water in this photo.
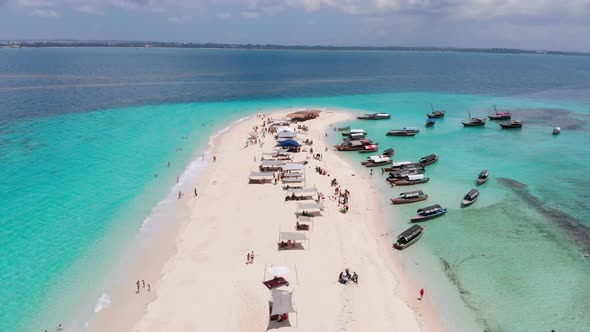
(83, 132)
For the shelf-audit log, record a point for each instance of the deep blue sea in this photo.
(84, 131)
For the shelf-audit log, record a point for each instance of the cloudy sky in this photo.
(531, 24)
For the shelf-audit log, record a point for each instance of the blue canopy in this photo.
(289, 142)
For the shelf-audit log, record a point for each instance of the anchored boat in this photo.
(470, 197)
(408, 180)
(428, 160)
(482, 177)
(429, 212)
(511, 124)
(374, 116)
(500, 115)
(375, 161)
(408, 237)
(474, 122)
(410, 197)
(369, 148)
(435, 114)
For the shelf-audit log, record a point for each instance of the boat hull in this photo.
(408, 182)
(499, 117)
(430, 162)
(510, 126)
(420, 218)
(400, 200)
(466, 203)
(368, 151)
(373, 118)
(468, 124)
(481, 181)
(377, 164)
(401, 134)
(406, 245)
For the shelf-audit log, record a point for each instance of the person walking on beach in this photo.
(149, 287)
(196, 192)
(137, 284)
(248, 258)
(371, 174)
(421, 294)
(143, 283)
(214, 158)
(180, 194)
(252, 258)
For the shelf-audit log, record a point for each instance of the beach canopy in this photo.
(303, 191)
(262, 174)
(285, 135)
(270, 162)
(290, 180)
(293, 236)
(282, 302)
(278, 153)
(277, 270)
(292, 175)
(310, 206)
(305, 219)
(285, 129)
(293, 167)
(289, 142)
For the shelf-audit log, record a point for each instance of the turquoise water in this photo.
(78, 187)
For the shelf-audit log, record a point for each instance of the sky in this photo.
(527, 24)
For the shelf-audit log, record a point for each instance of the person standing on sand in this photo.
(421, 294)
(252, 257)
(137, 283)
(196, 192)
(214, 158)
(248, 258)
(179, 194)
(143, 283)
(371, 174)
(149, 287)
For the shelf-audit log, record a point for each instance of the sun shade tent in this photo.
(293, 180)
(289, 142)
(303, 191)
(282, 302)
(286, 134)
(292, 175)
(293, 167)
(269, 162)
(285, 129)
(310, 206)
(293, 236)
(261, 174)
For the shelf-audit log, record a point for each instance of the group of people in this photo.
(345, 277)
(250, 258)
(322, 171)
(149, 287)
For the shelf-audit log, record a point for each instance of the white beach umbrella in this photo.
(277, 270)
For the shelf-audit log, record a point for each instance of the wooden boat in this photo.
(430, 123)
(375, 161)
(399, 165)
(410, 179)
(435, 114)
(354, 131)
(374, 116)
(410, 197)
(470, 197)
(344, 128)
(556, 131)
(369, 148)
(483, 177)
(388, 152)
(402, 175)
(403, 132)
(500, 115)
(408, 237)
(355, 137)
(511, 124)
(354, 145)
(429, 212)
(474, 122)
(428, 160)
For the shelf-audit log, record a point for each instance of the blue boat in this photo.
(429, 212)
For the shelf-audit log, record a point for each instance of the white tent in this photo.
(277, 270)
(310, 206)
(285, 129)
(292, 175)
(303, 191)
(286, 134)
(294, 180)
(293, 167)
(272, 163)
(262, 174)
(293, 236)
(282, 302)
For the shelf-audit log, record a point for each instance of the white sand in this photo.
(207, 286)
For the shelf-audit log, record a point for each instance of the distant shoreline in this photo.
(148, 44)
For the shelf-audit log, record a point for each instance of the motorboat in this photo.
(483, 177)
(354, 131)
(511, 124)
(408, 237)
(388, 152)
(428, 160)
(470, 197)
(347, 128)
(556, 131)
(430, 123)
(399, 165)
(374, 116)
(402, 175)
(410, 131)
(354, 145)
(355, 136)
(474, 122)
(500, 115)
(429, 212)
(435, 114)
(369, 148)
(375, 161)
(410, 197)
(410, 179)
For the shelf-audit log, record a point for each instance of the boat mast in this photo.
(495, 110)
(432, 108)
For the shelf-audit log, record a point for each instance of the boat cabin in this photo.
(412, 194)
(400, 163)
(429, 210)
(484, 174)
(471, 195)
(414, 177)
(409, 234)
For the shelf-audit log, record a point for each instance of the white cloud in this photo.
(45, 13)
(249, 14)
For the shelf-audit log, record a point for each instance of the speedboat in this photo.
(511, 124)
(403, 132)
(374, 116)
(410, 197)
(482, 177)
(408, 180)
(375, 161)
(428, 160)
(403, 165)
(556, 131)
(353, 145)
(500, 115)
(354, 131)
(408, 237)
(470, 197)
(429, 212)
(430, 123)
